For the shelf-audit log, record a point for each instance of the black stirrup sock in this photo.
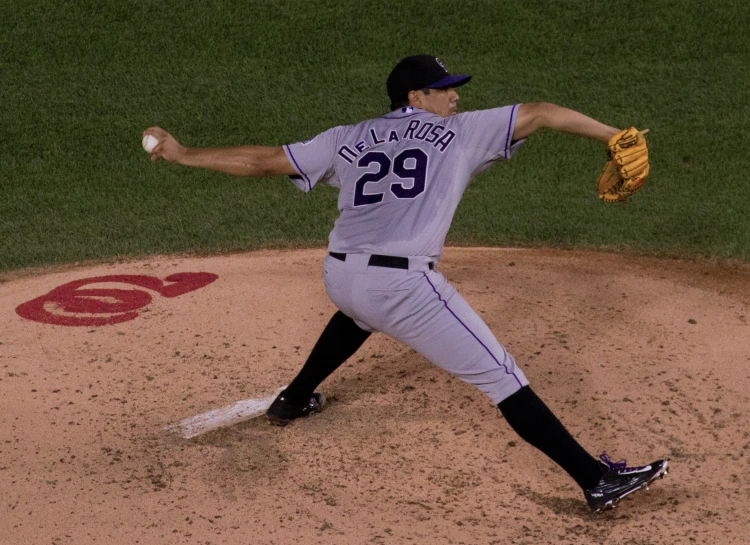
(340, 339)
(535, 423)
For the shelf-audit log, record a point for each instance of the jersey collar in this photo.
(405, 111)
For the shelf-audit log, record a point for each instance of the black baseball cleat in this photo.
(618, 481)
(282, 411)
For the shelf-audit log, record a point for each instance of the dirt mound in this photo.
(643, 358)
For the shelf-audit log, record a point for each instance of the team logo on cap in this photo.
(441, 64)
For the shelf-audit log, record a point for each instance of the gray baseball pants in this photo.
(420, 308)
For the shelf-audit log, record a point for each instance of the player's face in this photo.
(443, 102)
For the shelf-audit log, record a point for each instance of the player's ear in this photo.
(415, 98)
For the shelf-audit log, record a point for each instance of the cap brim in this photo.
(450, 81)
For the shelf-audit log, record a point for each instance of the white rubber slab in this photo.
(225, 416)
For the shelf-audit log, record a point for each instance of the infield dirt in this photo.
(641, 357)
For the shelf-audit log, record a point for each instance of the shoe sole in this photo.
(611, 504)
(277, 421)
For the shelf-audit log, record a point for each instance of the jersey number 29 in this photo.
(416, 171)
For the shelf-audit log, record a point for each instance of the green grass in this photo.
(79, 81)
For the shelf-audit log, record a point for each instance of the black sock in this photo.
(535, 423)
(340, 339)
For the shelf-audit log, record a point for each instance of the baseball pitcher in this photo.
(400, 178)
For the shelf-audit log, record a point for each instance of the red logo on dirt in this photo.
(72, 306)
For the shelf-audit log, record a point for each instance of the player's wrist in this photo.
(609, 132)
(189, 157)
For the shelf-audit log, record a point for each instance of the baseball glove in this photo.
(627, 166)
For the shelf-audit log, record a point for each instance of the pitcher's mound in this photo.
(643, 358)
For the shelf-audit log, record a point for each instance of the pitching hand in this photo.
(168, 148)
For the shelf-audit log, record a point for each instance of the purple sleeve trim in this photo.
(296, 165)
(511, 124)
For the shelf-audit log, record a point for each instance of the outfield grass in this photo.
(79, 81)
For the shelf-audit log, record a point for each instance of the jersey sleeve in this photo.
(487, 135)
(313, 160)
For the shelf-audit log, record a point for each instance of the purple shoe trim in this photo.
(604, 457)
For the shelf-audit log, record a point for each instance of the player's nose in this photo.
(453, 94)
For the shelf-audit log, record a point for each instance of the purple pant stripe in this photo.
(440, 297)
(309, 185)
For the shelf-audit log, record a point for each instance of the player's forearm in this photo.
(566, 120)
(532, 117)
(236, 161)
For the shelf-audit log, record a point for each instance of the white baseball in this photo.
(149, 143)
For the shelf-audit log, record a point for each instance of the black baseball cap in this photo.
(420, 72)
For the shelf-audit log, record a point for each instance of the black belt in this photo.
(389, 261)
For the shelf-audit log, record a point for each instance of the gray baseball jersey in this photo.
(402, 175)
(400, 178)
